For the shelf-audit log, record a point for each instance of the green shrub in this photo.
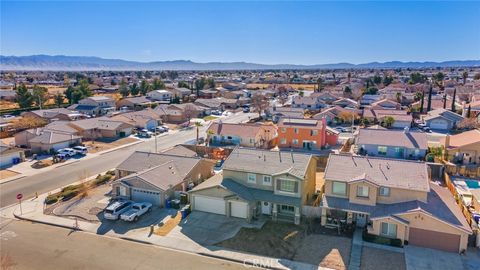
(381, 240)
(102, 179)
(112, 173)
(67, 195)
(51, 199)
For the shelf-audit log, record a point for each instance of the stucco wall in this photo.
(372, 194)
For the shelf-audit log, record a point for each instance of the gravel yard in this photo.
(378, 259)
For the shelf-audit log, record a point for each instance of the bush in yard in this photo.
(102, 179)
(381, 240)
(68, 194)
(51, 199)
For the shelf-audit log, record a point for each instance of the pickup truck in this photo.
(137, 209)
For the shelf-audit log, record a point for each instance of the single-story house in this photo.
(442, 119)
(10, 154)
(135, 103)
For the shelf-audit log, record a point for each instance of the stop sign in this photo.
(19, 196)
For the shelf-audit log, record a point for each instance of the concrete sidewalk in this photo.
(32, 210)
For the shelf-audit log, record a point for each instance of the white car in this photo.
(82, 150)
(137, 209)
(68, 152)
(114, 210)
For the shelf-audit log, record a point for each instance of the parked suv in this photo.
(82, 150)
(68, 152)
(114, 210)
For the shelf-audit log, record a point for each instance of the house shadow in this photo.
(119, 226)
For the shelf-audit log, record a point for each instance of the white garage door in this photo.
(59, 146)
(438, 124)
(238, 209)
(140, 195)
(209, 204)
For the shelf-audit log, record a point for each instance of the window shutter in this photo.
(295, 189)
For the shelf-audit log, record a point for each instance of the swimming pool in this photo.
(472, 184)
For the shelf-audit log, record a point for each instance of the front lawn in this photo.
(209, 118)
(288, 241)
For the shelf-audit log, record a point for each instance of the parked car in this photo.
(137, 209)
(246, 109)
(82, 150)
(201, 140)
(114, 210)
(144, 133)
(160, 129)
(340, 129)
(216, 112)
(166, 128)
(8, 116)
(68, 152)
(426, 129)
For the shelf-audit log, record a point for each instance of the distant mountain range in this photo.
(80, 63)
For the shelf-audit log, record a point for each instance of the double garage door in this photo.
(140, 195)
(439, 124)
(218, 206)
(435, 240)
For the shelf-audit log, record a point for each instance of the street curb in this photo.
(120, 147)
(47, 223)
(136, 240)
(14, 179)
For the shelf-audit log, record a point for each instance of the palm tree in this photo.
(197, 126)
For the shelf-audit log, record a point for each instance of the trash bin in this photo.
(184, 213)
(183, 198)
(168, 204)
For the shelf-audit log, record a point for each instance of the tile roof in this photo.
(440, 204)
(52, 137)
(393, 173)
(139, 161)
(268, 162)
(446, 114)
(180, 150)
(241, 129)
(464, 138)
(388, 137)
(300, 123)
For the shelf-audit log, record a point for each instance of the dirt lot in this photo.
(4, 174)
(373, 259)
(99, 146)
(284, 240)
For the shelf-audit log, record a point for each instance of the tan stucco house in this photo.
(259, 182)
(393, 198)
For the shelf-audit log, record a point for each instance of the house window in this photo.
(314, 132)
(283, 141)
(339, 188)
(295, 141)
(287, 186)
(384, 191)
(252, 178)
(295, 130)
(388, 229)
(362, 191)
(382, 150)
(287, 208)
(284, 130)
(267, 180)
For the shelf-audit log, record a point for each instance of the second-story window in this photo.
(295, 141)
(287, 186)
(382, 150)
(267, 180)
(314, 132)
(362, 191)
(284, 130)
(295, 130)
(384, 191)
(283, 141)
(339, 188)
(252, 178)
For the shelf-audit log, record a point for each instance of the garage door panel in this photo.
(209, 204)
(152, 197)
(238, 209)
(432, 239)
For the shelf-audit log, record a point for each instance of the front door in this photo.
(266, 208)
(307, 145)
(361, 220)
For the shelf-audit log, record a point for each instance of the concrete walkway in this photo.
(356, 252)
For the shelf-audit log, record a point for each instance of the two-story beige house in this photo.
(392, 198)
(259, 182)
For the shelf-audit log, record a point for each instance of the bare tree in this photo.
(189, 111)
(259, 103)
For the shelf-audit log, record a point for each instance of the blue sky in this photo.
(262, 32)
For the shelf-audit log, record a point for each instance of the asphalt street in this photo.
(64, 175)
(35, 246)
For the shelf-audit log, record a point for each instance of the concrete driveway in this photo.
(418, 258)
(208, 229)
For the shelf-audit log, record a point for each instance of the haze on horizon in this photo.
(256, 32)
